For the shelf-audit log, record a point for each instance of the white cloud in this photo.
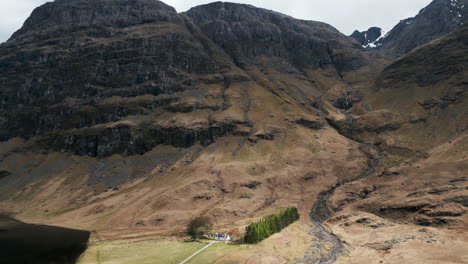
(345, 15)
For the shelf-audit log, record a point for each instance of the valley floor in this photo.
(284, 247)
(152, 250)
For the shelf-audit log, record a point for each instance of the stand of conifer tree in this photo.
(266, 227)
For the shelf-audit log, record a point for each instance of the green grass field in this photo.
(151, 251)
(213, 253)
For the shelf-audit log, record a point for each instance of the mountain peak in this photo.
(232, 11)
(369, 37)
(70, 15)
(438, 19)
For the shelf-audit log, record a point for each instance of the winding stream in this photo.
(327, 247)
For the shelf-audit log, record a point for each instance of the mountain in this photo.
(126, 118)
(438, 19)
(78, 72)
(422, 92)
(140, 105)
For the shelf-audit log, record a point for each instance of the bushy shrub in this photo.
(199, 226)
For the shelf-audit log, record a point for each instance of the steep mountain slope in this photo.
(434, 21)
(419, 100)
(77, 72)
(156, 96)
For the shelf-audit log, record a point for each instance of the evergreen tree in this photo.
(270, 225)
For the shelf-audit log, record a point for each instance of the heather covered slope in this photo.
(413, 213)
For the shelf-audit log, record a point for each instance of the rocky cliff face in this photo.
(245, 32)
(79, 64)
(369, 37)
(82, 64)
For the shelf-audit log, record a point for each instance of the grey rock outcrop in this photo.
(244, 31)
(369, 36)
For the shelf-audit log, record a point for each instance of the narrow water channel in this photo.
(327, 247)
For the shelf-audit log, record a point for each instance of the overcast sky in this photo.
(345, 15)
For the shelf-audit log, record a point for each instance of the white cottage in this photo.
(222, 237)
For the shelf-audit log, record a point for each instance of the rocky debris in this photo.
(326, 247)
(462, 199)
(425, 214)
(206, 197)
(366, 192)
(355, 218)
(452, 210)
(417, 194)
(436, 191)
(430, 103)
(451, 97)
(391, 172)
(269, 135)
(158, 221)
(433, 221)
(312, 124)
(440, 191)
(252, 185)
(409, 208)
(140, 223)
(310, 176)
(383, 246)
(253, 140)
(456, 180)
(365, 220)
(378, 225)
